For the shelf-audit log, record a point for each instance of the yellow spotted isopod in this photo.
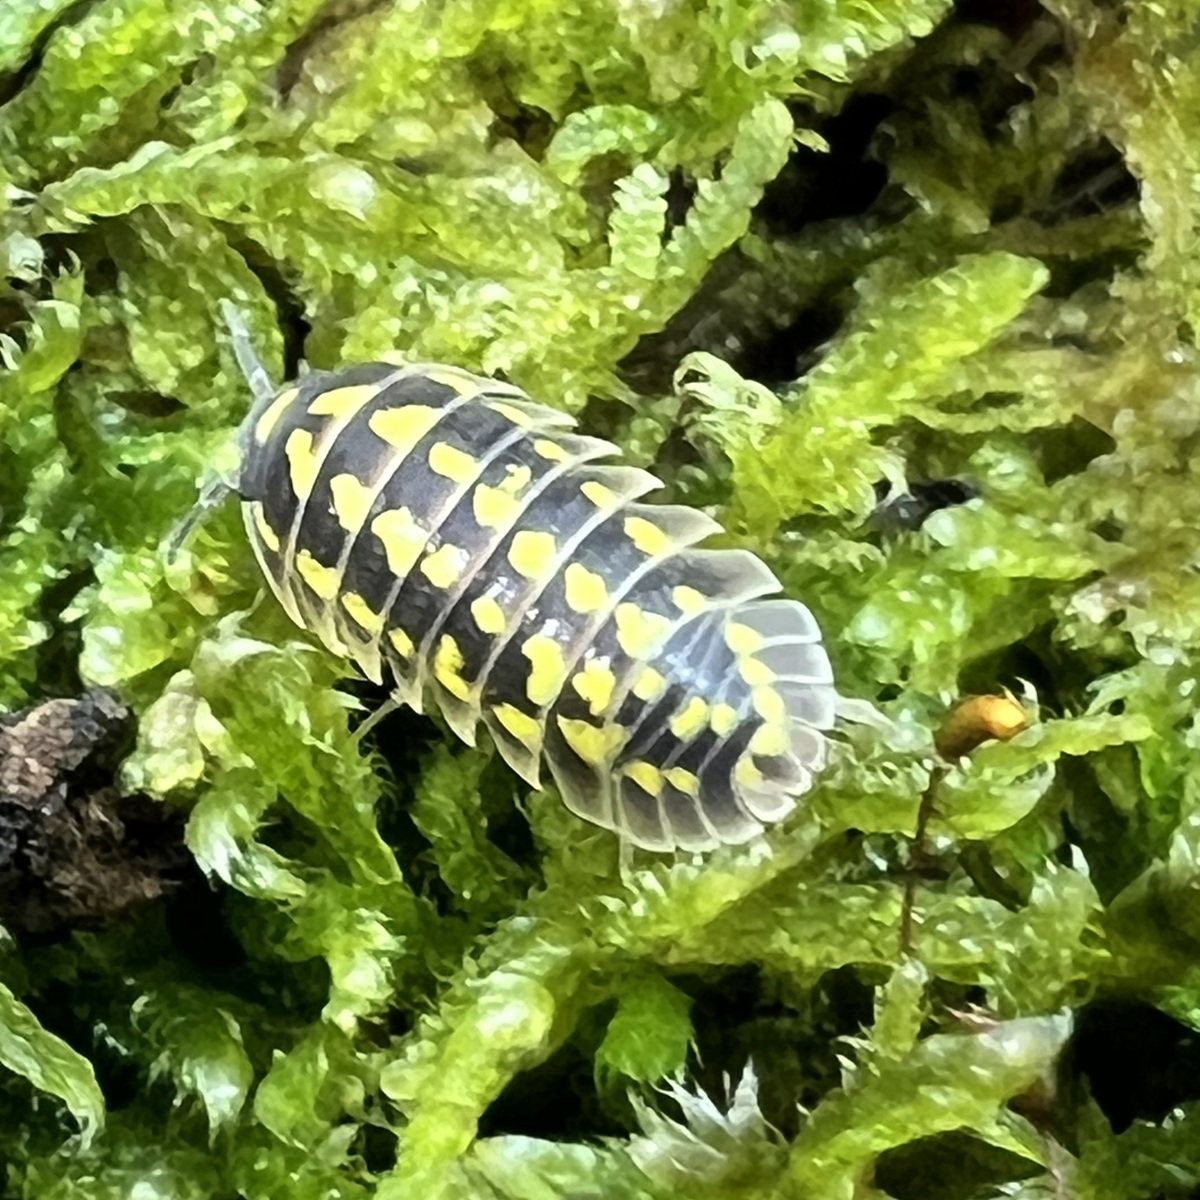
(444, 530)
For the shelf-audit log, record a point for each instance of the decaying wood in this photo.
(73, 851)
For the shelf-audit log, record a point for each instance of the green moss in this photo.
(793, 258)
(49, 1064)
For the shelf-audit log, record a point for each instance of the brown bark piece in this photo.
(73, 851)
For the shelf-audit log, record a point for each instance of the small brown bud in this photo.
(979, 719)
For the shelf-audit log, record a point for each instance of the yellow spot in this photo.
(692, 718)
(747, 774)
(532, 553)
(362, 612)
(688, 599)
(585, 590)
(516, 479)
(352, 501)
(649, 683)
(647, 776)
(682, 779)
(595, 745)
(402, 642)
(394, 358)
(638, 631)
(723, 720)
(456, 465)
(447, 668)
(302, 462)
(551, 450)
(522, 726)
(755, 672)
(269, 419)
(462, 382)
(647, 536)
(269, 536)
(403, 539)
(402, 428)
(769, 740)
(741, 639)
(323, 580)
(445, 565)
(494, 508)
(488, 614)
(340, 402)
(547, 668)
(598, 494)
(514, 414)
(770, 705)
(595, 684)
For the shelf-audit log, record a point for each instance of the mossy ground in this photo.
(783, 252)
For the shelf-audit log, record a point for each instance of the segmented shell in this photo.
(442, 526)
